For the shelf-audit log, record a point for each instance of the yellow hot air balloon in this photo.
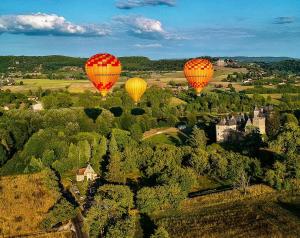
(198, 72)
(136, 87)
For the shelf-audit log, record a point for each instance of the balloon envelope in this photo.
(103, 70)
(198, 72)
(136, 87)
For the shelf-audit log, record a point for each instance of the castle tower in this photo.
(225, 128)
(258, 120)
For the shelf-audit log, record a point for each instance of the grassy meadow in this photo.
(24, 202)
(231, 214)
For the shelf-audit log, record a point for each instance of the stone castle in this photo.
(234, 127)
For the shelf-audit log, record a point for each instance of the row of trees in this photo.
(50, 64)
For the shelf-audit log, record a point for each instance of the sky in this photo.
(154, 28)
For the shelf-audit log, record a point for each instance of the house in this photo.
(221, 63)
(87, 173)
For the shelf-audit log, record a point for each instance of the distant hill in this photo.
(53, 63)
(258, 59)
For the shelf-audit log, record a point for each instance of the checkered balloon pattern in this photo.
(103, 71)
(198, 72)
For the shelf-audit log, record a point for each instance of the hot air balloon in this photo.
(198, 72)
(103, 71)
(136, 87)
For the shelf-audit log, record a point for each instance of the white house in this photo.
(87, 173)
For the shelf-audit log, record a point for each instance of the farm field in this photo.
(24, 202)
(231, 214)
(159, 79)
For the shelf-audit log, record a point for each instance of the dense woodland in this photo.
(76, 129)
(50, 64)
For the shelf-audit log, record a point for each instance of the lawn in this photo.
(24, 202)
(168, 138)
(231, 214)
(174, 102)
(73, 86)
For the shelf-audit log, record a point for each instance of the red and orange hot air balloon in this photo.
(198, 73)
(103, 71)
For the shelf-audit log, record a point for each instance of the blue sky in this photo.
(153, 28)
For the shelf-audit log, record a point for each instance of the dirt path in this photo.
(158, 131)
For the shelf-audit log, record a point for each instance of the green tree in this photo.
(98, 154)
(199, 160)
(3, 155)
(62, 211)
(111, 204)
(277, 176)
(84, 150)
(289, 118)
(273, 124)
(136, 131)
(287, 141)
(115, 173)
(160, 232)
(198, 138)
(150, 199)
(113, 146)
(48, 157)
(124, 228)
(34, 165)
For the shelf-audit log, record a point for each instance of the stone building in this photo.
(87, 173)
(225, 128)
(234, 128)
(257, 121)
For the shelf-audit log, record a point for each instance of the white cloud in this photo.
(143, 46)
(145, 28)
(47, 24)
(128, 4)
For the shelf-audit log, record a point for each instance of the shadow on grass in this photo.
(137, 111)
(117, 111)
(93, 113)
(294, 208)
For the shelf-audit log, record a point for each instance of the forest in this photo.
(140, 177)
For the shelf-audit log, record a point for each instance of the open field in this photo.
(73, 86)
(231, 214)
(24, 202)
(78, 86)
(168, 138)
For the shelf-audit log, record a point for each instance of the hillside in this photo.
(24, 203)
(53, 63)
